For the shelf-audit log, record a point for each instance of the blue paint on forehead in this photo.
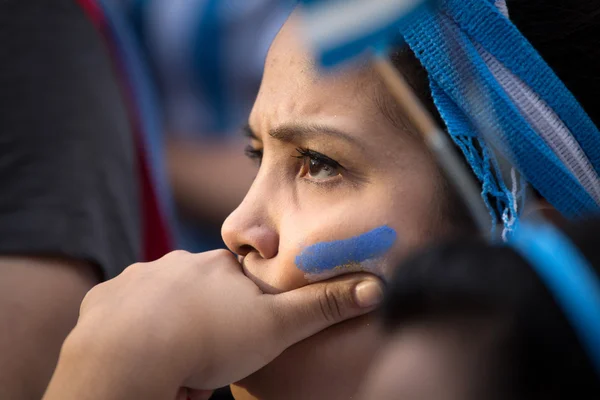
(325, 256)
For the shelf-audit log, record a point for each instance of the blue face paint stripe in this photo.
(325, 256)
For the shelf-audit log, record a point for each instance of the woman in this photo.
(338, 160)
(345, 184)
(334, 164)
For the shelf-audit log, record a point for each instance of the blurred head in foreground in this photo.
(467, 320)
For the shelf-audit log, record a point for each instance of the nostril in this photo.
(253, 238)
(243, 250)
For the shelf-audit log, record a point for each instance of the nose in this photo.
(251, 226)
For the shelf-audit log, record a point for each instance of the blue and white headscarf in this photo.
(495, 92)
(498, 98)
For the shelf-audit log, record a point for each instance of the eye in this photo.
(319, 170)
(254, 154)
(318, 166)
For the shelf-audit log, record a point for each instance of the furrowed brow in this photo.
(296, 132)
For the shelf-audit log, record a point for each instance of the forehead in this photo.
(293, 86)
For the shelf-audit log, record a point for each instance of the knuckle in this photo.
(175, 258)
(91, 295)
(96, 289)
(330, 304)
(86, 300)
(178, 254)
(221, 253)
(133, 268)
(132, 271)
(221, 258)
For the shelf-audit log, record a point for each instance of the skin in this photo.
(184, 320)
(389, 178)
(39, 304)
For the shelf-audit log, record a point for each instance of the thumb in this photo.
(305, 311)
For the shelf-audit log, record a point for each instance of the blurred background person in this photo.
(77, 204)
(206, 58)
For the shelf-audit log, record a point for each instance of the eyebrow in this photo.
(297, 131)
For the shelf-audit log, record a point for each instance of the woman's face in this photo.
(334, 166)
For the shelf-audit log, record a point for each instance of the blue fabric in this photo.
(378, 33)
(480, 116)
(485, 24)
(208, 61)
(468, 96)
(569, 277)
(208, 58)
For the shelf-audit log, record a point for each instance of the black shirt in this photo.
(68, 178)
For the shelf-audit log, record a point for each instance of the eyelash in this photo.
(303, 153)
(315, 156)
(254, 154)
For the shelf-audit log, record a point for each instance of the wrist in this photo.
(92, 367)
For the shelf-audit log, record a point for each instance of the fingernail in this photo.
(368, 293)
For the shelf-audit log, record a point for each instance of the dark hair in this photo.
(567, 36)
(565, 33)
(536, 354)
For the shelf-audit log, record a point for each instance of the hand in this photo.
(196, 320)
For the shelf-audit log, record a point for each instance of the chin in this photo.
(329, 365)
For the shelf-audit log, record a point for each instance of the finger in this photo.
(305, 311)
(221, 258)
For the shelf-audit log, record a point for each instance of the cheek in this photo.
(339, 240)
(363, 252)
(368, 231)
(372, 235)
(319, 246)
